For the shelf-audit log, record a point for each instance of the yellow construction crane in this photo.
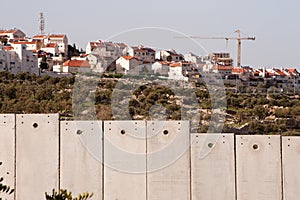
(238, 38)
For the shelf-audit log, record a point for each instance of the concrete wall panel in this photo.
(168, 160)
(37, 140)
(124, 160)
(80, 168)
(7, 151)
(291, 166)
(213, 174)
(258, 167)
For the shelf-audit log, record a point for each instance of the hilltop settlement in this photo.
(38, 74)
(51, 54)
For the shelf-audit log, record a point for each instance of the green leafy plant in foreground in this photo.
(65, 195)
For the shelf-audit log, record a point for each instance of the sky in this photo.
(274, 23)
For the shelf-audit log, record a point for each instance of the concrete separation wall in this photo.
(213, 175)
(168, 160)
(7, 151)
(80, 169)
(144, 160)
(258, 160)
(291, 166)
(37, 145)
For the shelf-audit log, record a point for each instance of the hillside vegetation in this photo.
(256, 110)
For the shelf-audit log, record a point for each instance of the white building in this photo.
(12, 33)
(51, 48)
(126, 63)
(106, 50)
(61, 40)
(18, 59)
(161, 68)
(175, 72)
(75, 66)
(169, 55)
(97, 64)
(222, 70)
(28, 61)
(30, 45)
(144, 54)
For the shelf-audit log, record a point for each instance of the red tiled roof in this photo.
(57, 36)
(122, 44)
(279, 72)
(8, 31)
(39, 36)
(48, 36)
(291, 71)
(164, 62)
(238, 70)
(76, 63)
(129, 57)
(220, 67)
(24, 42)
(7, 48)
(50, 45)
(177, 64)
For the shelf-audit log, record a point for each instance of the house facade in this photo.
(61, 40)
(16, 59)
(144, 54)
(176, 72)
(76, 66)
(169, 55)
(161, 68)
(126, 63)
(12, 33)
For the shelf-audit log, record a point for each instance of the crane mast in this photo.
(239, 42)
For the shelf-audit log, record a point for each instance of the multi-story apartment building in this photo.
(61, 40)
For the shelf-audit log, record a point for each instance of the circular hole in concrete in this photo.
(122, 132)
(255, 146)
(0, 163)
(166, 132)
(210, 145)
(35, 125)
(79, 132)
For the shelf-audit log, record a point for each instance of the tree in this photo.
(4, 40)
(65, 195)
(260, 112)
(43, 63)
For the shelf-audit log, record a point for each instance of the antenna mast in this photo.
(42, 23)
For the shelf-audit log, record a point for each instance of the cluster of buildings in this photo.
(19, 53)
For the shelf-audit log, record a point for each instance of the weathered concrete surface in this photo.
(168, 160)
(37, 140)
(290, 167)
(258, 167)
(125, 160)
(7, 151)
(80, 168)
(213, 172)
